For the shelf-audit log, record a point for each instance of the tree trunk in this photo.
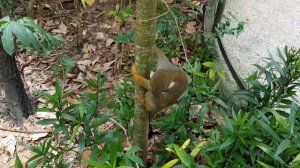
(209, 18)
(219, 13)
(145, 36)
(17, 100)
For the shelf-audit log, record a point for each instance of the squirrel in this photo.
(165, 85)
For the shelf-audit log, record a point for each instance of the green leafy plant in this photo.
(225, 27)
(259, 132)
(81, 124)
(113, 157)
(186, 159)
(214, 69)
(66, 64)
(260, 129)
(167, 30)
(125, 38)
(18, 163)
(167, 33)
(119, 14)
(177, 125)
(29, 34)
(44, 153)
(124, 97)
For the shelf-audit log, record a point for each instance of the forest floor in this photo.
(277, 27)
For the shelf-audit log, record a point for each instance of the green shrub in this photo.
(262, 128)
(79, 124)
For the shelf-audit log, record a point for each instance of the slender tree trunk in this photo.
(10, 80)
(209, 18)
(145, 36)
(16, 97)
(219, 13)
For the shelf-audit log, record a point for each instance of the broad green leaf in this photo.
(43, 93)
(267, 73)
(276, 64)
(297, 158)
(47, 121)
(133, 149)
(169, 149)
(227, 142)
(46, 109)
(5, 19)
(208, 159)
(82, 141)
(33, 149)
(208, 64)
(183, 156)
(21, 33)
(264, 164)
(34, 161)
(212, 74)
(58, 90)
(196, 150)
(265, 148)
(18, 163)
(170, 163)
(96, 164)
(81, 110)
(248, 98)
(282, 146)
(67, 62)
(69, 117)
(111, 13)
(3, 24)
(220, 102)
(8, 40)
(135, 159)
(216, 86)
(33, 39)
(113, 152)
(70, 109)
(99, 121)
(279, 118)
(48, 145)
(292, 118)
(269, 130)
(124, 38)
(185, 144)
(280, 55)
(197, 67)
(74, 133)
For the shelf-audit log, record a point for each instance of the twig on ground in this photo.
(26, 132)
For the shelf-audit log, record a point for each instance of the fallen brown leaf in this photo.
(62, 29)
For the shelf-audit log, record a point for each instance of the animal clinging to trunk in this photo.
(165, 86)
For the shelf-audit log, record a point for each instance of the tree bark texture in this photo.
(219, 13)
(209, 18)
(145, 36)
(16, 97)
